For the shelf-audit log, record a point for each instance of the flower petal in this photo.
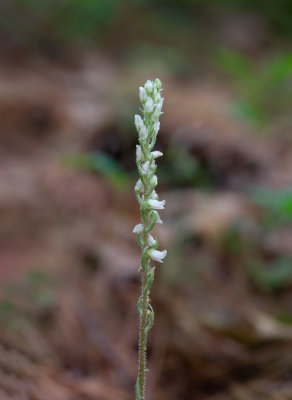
(139, 154)
(149, 105)
(154, 180)
(138, 228)
(142, 94)
(154, 195)
(158, 221)
(156, 204)
(146, 167)
(156, 154)
(139, 186)
(151, 241)
(157, 255)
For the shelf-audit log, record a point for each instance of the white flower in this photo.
(156, 154)
(146, 168)
(143, 132)
(149, 87)
(159, 220)
(141, 128)
(154, 195)
(139, 186)
(154, 180)
(156, 127)
(138, 228)
(157, 255)
(159, 104)
(138, 121)
(139, 154)
(157, 98)
(156, 113)
(149, 105)
(156, 204)
(151, 241)
(158, 109)
(142, 94)
(158, 84)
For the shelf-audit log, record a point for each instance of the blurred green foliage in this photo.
(276, 206)
(38, 288)
(182, 169)
(6, 308)
(101, 163)
(25, 299)
(169, 60)
(233, 242)
(265, 91)
(41, 23)
(178, 169)
(86, 17)
(68, 17)
(273, 275)
(276, 13)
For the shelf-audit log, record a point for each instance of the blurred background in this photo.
(69, 281)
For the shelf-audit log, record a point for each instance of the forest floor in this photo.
(69, 261)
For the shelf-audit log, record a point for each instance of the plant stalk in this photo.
(148, 200)
(143, 341)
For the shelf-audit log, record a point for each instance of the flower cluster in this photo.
(147, 127)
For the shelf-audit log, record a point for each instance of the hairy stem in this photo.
(143, 340)
(143, 322)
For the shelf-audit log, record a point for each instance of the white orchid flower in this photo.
(156, 204)
(157, 255)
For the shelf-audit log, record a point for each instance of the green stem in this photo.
(140, 386)
(143, 339)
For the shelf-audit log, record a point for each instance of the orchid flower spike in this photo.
(147, 128)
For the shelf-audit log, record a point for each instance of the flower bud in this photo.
(158, 84)
(159, 220)
(154, 195)
(138, 121)
(157, 112)
(157, 98)
(141, 128)
(149, 105)
(156, 127)
(149, 87)
(151, 241)
(139, 154)
(142, 94)
(146, 168)
(154, 180)
(139, 186)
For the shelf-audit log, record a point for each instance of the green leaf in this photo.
(101, 163)
(249, 111)
(236, 64)
(279, 69)
(278, 203)
(276, 275)
(6, 307)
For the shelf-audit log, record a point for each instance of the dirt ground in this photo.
(69, 261)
